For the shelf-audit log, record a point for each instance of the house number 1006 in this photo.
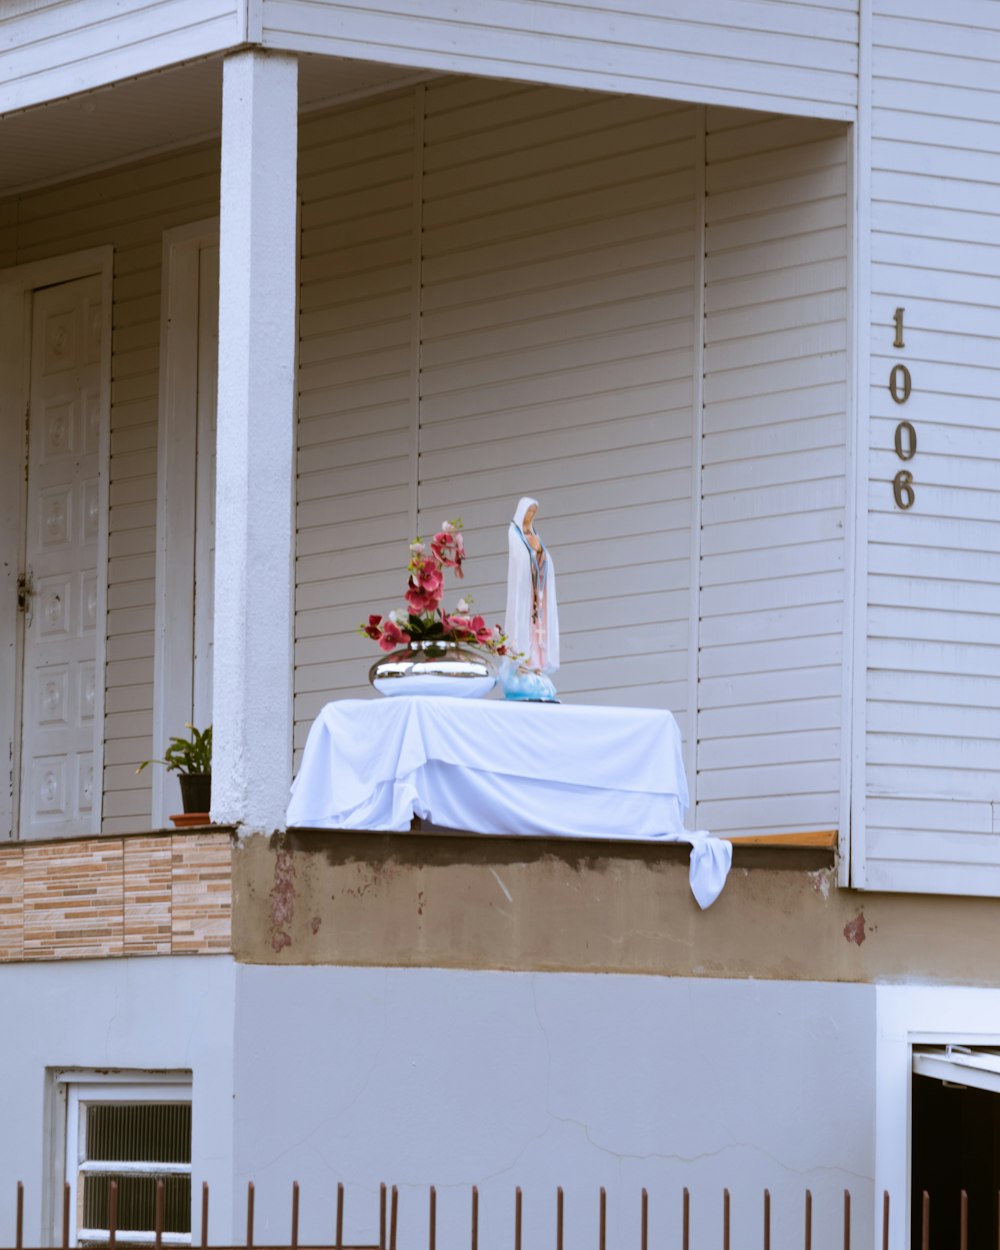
(900, 386)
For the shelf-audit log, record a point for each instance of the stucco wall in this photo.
(457, 1078)
(173, 1013)
(501, 1079)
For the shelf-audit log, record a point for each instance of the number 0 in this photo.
(906, 441)
(900, 372)
(902, 489)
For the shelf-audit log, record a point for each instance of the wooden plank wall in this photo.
(786, 55)
(933, 730)
(128, 208)
(545, 241)
(557, 328)
(49, 50)
(772, 539)
(356, 391)
(499, 296)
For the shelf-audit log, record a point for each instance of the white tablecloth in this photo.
(491, 766)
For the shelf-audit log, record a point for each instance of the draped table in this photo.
(496, 767)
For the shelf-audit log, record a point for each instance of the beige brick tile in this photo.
(202, 893)
(73, 899)
(147, 895)
(11, 904)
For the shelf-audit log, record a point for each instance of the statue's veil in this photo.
(517, 624)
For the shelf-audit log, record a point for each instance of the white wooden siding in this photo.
(357, 409)
(49, 50)
(782, 54)
(538, 264)
(499, 296)
(128, 208)
(933, 713)
(772, 538)
(556, 361)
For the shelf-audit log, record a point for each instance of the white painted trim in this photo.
(416, 301)
(204, 517)
(106, 1167)
(118, 1087)
(697, 453)
(14, 389)
(173, 647)
(445, 61)
(906, 1016)
(16, 287)
(852, 840)
(252, 21)
(103, 534)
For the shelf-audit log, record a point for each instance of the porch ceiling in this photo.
(171, 108)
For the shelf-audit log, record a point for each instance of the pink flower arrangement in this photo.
(423, 618)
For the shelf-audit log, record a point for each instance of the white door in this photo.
(58, 786)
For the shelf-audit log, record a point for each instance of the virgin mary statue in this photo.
(532, 621)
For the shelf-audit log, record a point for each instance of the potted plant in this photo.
(191, 759)
(431, 650)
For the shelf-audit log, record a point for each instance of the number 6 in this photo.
(902, 489)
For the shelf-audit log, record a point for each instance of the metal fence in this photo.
(389, 1211)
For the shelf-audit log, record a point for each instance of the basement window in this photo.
(955, 1142)
(136, 1133)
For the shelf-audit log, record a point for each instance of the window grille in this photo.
(136, 1135)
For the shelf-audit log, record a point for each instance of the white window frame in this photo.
(908, 1017)
(75, 1090)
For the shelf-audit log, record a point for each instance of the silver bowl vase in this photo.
(435, 667)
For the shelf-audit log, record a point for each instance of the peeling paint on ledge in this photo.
(282, 900)
(432, 900)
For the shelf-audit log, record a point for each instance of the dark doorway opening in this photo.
(955, 1145)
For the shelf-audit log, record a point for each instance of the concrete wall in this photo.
(458, 1078)
(552, 904)
(173, 1013)
(501, 1080)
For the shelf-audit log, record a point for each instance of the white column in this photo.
(254, 566)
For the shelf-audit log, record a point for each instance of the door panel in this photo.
(58, 785)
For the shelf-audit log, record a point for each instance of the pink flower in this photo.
(392, 636)
(423, 614)
(449, 548)
(429, 577)
(419, 600)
